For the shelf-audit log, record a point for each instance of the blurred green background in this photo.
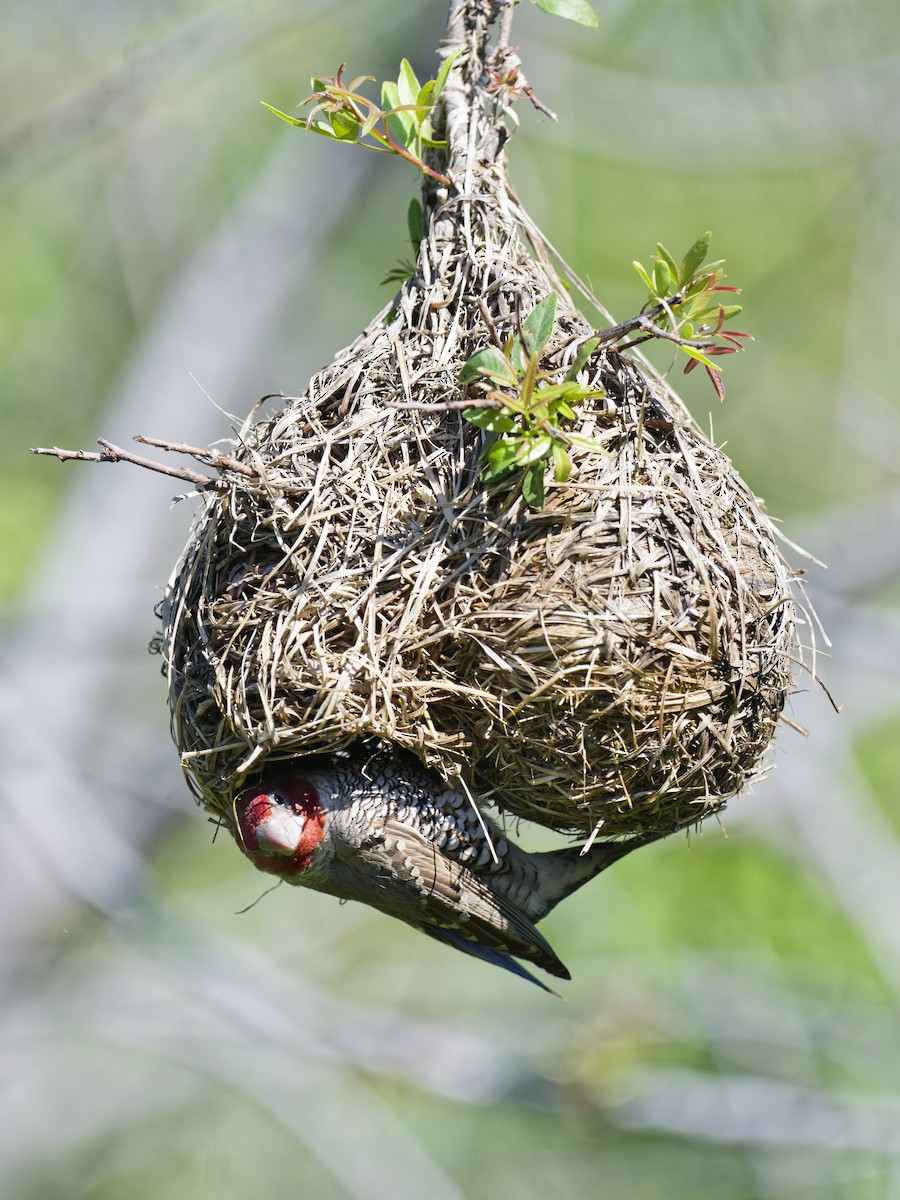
(169, 252)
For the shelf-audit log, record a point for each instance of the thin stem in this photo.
(111, 453)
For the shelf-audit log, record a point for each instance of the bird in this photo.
(378, 826)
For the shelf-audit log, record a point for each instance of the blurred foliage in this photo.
(731, 1029)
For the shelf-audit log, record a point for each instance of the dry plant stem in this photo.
(111, 453)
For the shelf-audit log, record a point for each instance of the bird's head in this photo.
(279, 824)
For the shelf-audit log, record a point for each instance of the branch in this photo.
(215, 458)
(111, 453)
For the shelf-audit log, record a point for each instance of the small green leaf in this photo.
(425, 98)
(561, 409)
(668, 260)
(323, 127)
(490, 419)
(693, 260)
(562, 464)
(693, 352)
(584, 352)
(534, 450)
(400, 125)
(415, 222)
(539, 324)
(571, 10)
(390, 95)
(490, 362)
(556, 391)
(662, 278)
(533, 486)
(643, 274)
(345, 126)
(370, 122)
(501, 458)
(284, 116)
(444, 72)
(408, 87)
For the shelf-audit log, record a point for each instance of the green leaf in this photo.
(415, 222)
(490, 362)
(556, 391)
(693, 260)
(400, 125)
(319, 126)
(533, 486)
(562, 464)
(290, 120)
(501, 458)
(539, 324)
(668, 260)
(693, 352)
(534, 450)
(490, 419)
(345, 126)
(584, 352)
(662, 278)
(444, 72)
(571, 10)
(643, 274)
(370, 122)
(408, 87)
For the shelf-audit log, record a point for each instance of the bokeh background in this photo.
(168, 253)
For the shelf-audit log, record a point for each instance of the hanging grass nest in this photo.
(615, 661)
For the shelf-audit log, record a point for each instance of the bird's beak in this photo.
(280, 832)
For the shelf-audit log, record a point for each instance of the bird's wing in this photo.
(434, 890)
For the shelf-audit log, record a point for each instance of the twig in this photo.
(444, 405)
(215, 458)
(111, 453)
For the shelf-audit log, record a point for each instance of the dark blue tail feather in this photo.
(497, 957)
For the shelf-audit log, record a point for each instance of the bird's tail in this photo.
(564, 871)
(497, 957)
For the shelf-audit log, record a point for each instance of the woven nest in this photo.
(615, 662)
(621, 655)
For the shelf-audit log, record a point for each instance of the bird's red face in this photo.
(278, 826)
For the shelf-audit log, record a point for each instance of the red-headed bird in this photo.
(381, 828)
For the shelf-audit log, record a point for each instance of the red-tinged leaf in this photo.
(716, 380)
(690, 366)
